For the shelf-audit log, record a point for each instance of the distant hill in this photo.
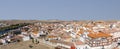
(33, 21)
(17, 21)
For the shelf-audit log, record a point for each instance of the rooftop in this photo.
(99, 35)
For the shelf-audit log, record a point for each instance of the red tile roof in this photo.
(98, 35)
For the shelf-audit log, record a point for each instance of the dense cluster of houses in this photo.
(3, 25)
(72, 35)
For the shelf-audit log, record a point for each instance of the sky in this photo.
(60, 9)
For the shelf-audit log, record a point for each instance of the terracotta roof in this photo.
(80, 32)
(52, 36)
(65, 36)
(79, 42)
(90, 31)
(35, 32)
(98, 35)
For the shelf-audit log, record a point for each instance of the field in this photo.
(26, 45)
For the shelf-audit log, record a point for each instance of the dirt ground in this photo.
(26, 45)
